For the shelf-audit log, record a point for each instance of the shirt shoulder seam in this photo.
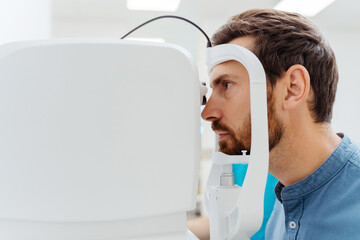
(351, 156)
(357, 165)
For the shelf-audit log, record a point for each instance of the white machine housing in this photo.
(100, 139)
(236, 213)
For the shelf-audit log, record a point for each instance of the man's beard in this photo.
(239, 140)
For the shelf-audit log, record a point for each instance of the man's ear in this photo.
(297, 83)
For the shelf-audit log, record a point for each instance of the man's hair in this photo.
(282, 40)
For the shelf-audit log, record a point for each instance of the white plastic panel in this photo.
(95, 130)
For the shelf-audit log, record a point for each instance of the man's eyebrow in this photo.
(219, 79)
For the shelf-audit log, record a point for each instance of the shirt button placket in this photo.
(293, 212)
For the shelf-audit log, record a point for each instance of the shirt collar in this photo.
(332, 165)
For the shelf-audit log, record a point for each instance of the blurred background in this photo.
(338, 20)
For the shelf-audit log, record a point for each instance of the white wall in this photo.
(346, 115)
(24, 20)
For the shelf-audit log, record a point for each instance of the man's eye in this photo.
(227, 84)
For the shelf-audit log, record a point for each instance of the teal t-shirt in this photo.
(269, 199)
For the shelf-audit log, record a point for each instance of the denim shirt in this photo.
(324, 205)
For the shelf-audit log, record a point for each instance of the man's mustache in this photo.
(216, 125)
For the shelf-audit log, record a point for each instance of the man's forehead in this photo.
(229, 70)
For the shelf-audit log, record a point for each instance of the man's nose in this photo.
(211, 111)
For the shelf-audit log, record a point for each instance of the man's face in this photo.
(228, 107)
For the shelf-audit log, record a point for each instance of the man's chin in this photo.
(229, 151)
(226, 148)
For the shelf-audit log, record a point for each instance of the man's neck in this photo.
(301, 152)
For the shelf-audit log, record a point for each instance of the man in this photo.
(318, 170)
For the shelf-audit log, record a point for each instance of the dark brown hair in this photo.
(282, 40)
